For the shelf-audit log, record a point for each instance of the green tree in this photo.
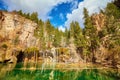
(67, 36)
(57, 38)
(72, 30)
(112, 10)
(28, 15)
(20, 12)
(91, 35)
(39, 33)
(76, 33)
(34, 17)
(4, 47)
(112, 13)
(49, 27)
(89, 29)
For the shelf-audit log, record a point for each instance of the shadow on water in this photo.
(10, 72)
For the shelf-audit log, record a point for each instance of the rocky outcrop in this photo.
(99, 21)
(16, 32)
(18, 28)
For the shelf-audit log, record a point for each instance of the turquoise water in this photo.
(7, 72)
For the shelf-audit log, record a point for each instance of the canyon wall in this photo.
(16, 32)
(14, 26)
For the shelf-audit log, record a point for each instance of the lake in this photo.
(17, 72)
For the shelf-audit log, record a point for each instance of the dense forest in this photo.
(97, 42)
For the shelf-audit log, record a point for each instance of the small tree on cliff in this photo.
(4, 47)
(34, 17)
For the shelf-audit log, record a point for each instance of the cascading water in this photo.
(54, 60)
(43, 64)
(73, 52)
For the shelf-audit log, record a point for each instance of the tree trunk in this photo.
(36, 57)
(93, 57)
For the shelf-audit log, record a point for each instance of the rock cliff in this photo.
(16, 32)
(99, 21)
(16, 27)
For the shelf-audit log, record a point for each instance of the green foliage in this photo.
(20, 12)
(89, 29)
(39, 31)
(112, 13)
(102, 33)
(16, 40)
(57, 38)
(34, 17)
(27, 15)
(49, 28)
(90, 32)
(31, 50)
(5, 46)
(112, 10)
(77, 34)
(67, 36)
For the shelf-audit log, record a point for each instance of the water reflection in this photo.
(6, 68)
(8, 73)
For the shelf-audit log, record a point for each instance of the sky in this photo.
(60, 12)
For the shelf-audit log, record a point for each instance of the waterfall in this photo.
(44, 62)
(54, 60)
(73, 52)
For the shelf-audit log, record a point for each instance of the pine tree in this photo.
(57, 38)
(91, 35)
(34, 17)
(112, 13)
(20, 12)
(112, 10)
(67, 36)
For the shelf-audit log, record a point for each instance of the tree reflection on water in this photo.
(8, 72)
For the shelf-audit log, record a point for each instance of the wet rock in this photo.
(12, 59)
